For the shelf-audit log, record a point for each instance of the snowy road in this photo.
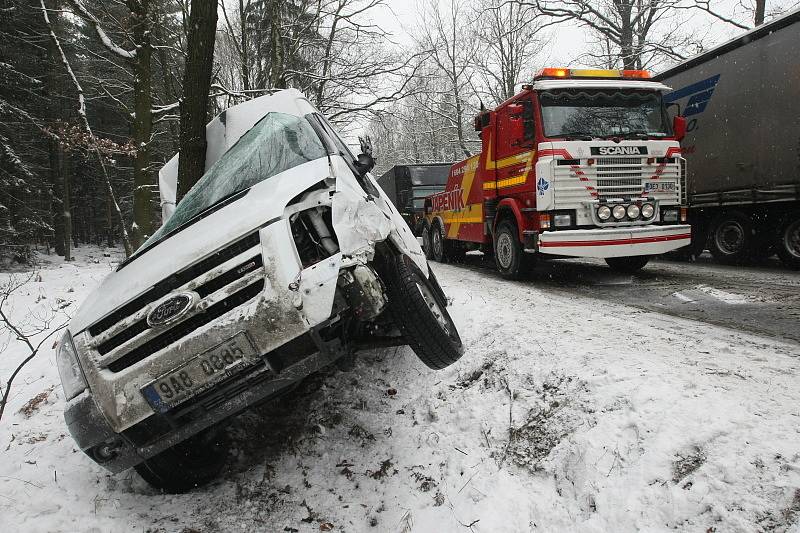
(763, 299)
(570, 411)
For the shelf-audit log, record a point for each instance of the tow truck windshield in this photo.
(582, 114)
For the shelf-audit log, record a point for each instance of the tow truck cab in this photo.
(582, 163)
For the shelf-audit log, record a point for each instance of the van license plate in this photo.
(199, 373)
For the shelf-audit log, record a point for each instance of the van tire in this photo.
(732, 237)
(789, 241)
(511, 260)
(417, 306)
(628, 265)
(187, 465)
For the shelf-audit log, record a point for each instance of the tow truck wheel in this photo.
(426, 241)
(187, 465)
(627, 264)
(418, 307)
(437, 242)
(732, 238)
(789, 241)
(511, 260)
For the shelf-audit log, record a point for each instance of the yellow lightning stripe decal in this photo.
(470, 213)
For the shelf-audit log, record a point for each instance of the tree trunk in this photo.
(66, 200)
(196, 85)
(760, 8)
(142, 122)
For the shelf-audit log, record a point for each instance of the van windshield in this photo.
(602, 113)
(275, 144)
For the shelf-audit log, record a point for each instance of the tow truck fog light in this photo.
(604, 212)
(633, 211)
(647, 211)
(562, 220)
(619, 212)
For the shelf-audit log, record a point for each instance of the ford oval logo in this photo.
(172, 309)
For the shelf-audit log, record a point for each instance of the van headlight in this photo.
(72, 380)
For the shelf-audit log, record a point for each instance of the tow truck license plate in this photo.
(199, 373)
(659, 186)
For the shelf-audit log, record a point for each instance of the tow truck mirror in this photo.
(679, 127)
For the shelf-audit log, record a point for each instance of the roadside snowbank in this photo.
(566, 413)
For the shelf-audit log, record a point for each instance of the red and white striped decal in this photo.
(582, 176)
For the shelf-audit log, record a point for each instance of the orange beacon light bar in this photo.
(591, 73)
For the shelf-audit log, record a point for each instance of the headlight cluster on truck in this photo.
(622, 211)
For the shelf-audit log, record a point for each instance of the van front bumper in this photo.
(119, 451)
(615, 242)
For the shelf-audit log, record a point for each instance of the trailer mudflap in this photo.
(615, 242)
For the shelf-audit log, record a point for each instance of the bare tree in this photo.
(740, 14)
(641, 33)
(139, 32)
(32, 331)
(510, 36)
(445, 34)
(94, 145)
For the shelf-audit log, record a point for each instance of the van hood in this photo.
(264, 203)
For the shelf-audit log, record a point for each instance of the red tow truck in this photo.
(582, 163)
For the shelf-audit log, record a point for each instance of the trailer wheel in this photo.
(628, 265)
(437, 242)
(189, 464)
(419, 309)
(511, 260)
(732, 237)
(789, 241)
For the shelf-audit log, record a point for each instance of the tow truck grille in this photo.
(619, 177)
(224, 280)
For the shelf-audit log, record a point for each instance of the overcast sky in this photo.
(569, 41)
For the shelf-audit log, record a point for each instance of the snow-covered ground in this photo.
(566, 413)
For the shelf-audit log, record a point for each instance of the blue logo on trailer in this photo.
(699, 95)
(542, 185)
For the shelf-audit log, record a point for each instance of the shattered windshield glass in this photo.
(602, 113)
(276, 143)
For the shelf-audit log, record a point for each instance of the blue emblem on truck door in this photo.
(542, 185)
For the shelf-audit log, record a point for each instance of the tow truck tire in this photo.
(190, 464)
(419, 309)
(628, 264)
(426, 241)
(438, 242)
(511, 260)
(789, 241)
(731, 239)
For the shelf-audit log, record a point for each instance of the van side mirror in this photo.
(365, 161)
(679, 127)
